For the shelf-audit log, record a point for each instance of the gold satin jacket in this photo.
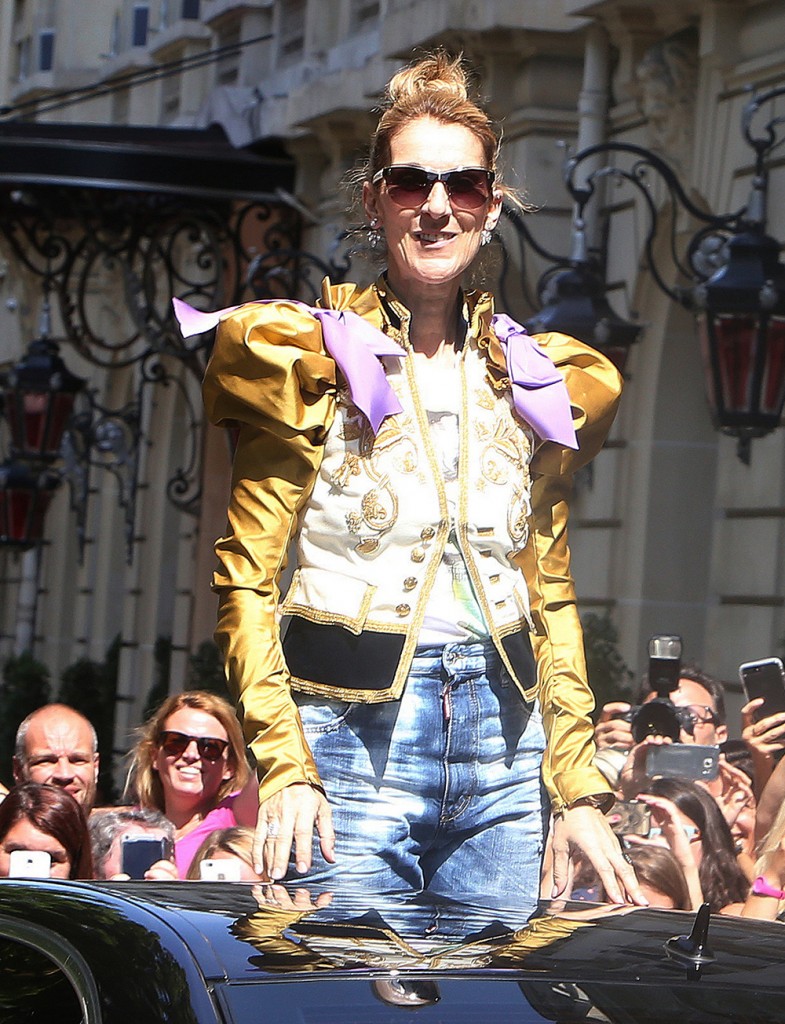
(270, 375)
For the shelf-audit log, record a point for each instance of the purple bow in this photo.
(353, 343)
(538, 389)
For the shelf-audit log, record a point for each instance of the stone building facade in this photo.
(671, 531)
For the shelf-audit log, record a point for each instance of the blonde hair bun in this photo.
(438, 72)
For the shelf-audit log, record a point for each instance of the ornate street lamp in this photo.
(38, 397)
(736, 289)
(571, 293)
(575, 302)
(741, 310)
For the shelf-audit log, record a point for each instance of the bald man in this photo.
(57, 745)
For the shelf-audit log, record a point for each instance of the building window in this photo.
(291, 33)
(46, 49)
(140, 24)
(165, 18)
(190, 10)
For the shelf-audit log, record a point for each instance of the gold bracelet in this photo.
(601, 801)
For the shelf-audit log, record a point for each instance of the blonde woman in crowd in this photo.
(190, 763)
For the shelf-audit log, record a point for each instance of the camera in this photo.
(660, 716)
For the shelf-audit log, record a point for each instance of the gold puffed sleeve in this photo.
(270, 375)
(566, 700)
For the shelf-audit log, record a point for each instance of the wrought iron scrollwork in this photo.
(89, 246)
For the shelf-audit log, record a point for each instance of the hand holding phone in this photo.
(764, 678)
(140, 852)
(694, 761)
(630, 818)
(29, 864)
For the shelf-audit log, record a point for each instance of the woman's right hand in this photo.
(288, 818)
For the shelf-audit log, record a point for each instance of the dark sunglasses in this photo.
(696, 714)
(174, 744)
(469, 188)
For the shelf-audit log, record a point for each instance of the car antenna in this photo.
(693, 951)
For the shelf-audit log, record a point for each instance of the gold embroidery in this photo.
(518, 517)
(380, 507)
(349, 467)
(367, 547)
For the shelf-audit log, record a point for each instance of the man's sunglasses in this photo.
(696, 714)
(174, 744)
(469, 188)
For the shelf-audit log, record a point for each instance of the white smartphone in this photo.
(29, 864)
(219, 870)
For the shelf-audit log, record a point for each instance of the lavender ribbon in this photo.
(539, 393)
(353, 343)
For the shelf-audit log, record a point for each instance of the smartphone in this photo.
(29, 864)
(629, 817)
(140, 853)
(220, 870)
(684, 761)
(764, 678)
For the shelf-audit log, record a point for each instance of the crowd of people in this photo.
(722, 835)
(190, 790)
(190, 786)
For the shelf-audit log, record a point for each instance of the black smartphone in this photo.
(141, 852)
(693, 761)
(764, 678)
(629, 818)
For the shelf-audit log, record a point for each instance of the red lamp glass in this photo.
(742, 333)
(25, 494)
(38, 398)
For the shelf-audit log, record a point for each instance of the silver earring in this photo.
(486, 236)
(374, 234)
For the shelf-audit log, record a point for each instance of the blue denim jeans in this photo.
(439, 790)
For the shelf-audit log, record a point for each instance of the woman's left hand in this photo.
(587, 829)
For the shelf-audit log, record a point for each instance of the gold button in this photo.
(418, 555)
(428, 533)
(402, 609)
(410, 583)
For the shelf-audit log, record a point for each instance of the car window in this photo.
(33, 988)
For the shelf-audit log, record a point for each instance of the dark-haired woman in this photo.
(45, 819)
(419, 447)
(688, 820)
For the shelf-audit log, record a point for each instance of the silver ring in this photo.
(273, 829)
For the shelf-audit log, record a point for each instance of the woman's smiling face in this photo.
(188, 777)
(431, 244)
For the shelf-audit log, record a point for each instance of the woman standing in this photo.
(419, 448)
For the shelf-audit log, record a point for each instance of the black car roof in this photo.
(238, 934)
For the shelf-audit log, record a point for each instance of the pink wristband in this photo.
(760, 887)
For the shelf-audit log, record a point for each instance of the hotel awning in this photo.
(185, 161)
